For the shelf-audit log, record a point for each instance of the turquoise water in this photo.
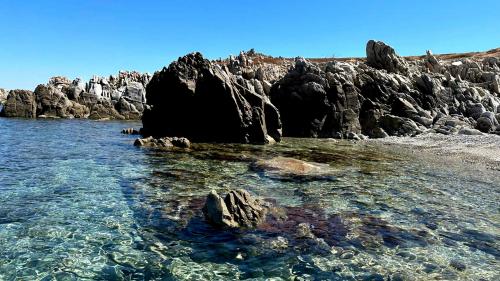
(79, 202)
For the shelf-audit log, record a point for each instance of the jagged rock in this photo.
(312, 106)
(432, 63)
(238, 209)
(285, 168)
(199, 100)
(20, 103)
(166, 142)
(52, 102)
(381, 56)
(127, 109)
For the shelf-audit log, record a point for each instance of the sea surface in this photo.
(79, 202)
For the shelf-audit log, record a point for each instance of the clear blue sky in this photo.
(42, 38)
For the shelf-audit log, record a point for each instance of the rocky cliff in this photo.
(254, 98)
(381, 95)
(117, 97)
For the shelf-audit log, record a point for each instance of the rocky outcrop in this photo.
(117, 97)
(166, 142)
(386, 96)
(239, 209)
(20, 103)
(52, 102)
(205, 102)
(381, 56)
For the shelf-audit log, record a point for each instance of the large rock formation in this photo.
(20, 103)
(117, 97)
(205, 102)
(386, 96)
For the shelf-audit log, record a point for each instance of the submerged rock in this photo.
(285, 168)
(167, 142)
(238, 209)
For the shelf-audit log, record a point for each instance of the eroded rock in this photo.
(238, 209)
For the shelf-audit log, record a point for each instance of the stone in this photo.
(20, 103)
(487, 122)
(199, 100)
(286, 168)
(239, 209)
(399, 126)
(381, 56)
(166, 142)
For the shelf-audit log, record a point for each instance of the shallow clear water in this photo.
(79, 202)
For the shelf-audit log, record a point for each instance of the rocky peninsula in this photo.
(254, 98)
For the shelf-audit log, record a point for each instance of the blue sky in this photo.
(41, 38)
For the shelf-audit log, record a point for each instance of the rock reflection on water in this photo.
(106, 210)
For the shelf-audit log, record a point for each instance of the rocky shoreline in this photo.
(121, 97)
(253, 98)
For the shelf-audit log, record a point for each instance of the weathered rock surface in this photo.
(166, 142)
(382, 56)
(117, 97)
(206, 103)
(238, 209)
(20, 103)
(285, 168)
(386, 96)
(3, 96)
(52, 102)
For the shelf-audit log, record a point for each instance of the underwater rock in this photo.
(167, 142)
(238, 209)
(285, 168)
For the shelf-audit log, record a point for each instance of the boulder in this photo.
(239, 209)
(166, 142)
(381, 56)
(20, 103)
(487, 122)
(202, 101)
(399, 126)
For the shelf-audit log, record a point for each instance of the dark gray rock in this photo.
(204, 102)
(381, 56)
(238, 209)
